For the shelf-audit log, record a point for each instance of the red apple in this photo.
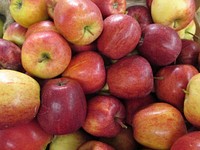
(148, 3)
(50, 7)
(80, 22)
(161, 45)
(120, 36)
(133, 81)
(63, 106)
(110, 7)
(29, 136)
(88, 69)
(82, 48)
(105, 116)
(158, 126)
(10, 55)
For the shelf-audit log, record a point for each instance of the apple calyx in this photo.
(87, 29)
(115, 5)
(120, 122)
(18, 4)
(44, 57)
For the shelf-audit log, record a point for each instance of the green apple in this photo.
(27, 12)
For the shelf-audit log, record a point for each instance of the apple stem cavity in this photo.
(119, 121)
(115, 5)
(87, 29)
(45, 56)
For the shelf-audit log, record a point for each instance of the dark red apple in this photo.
(82, 48)
(105, 116)
(171, 81)
(160, 44)
(121, 34)
(63, 106)
(130, 77)
(29, 136)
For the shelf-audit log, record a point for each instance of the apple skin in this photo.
(50, 7)
(63, 108)
(158, 126)
(105, 116)
(20, 98)
(130, 82)
(45, 54)
(171, 81)
(187, 141)
(88, 69)
(80, 22)
(27, 12)
(10, 55)
(175, 14)
(161, 45)
(15, 33)
(126, 33)
(110, 7)
(141, 14)
(29, 136)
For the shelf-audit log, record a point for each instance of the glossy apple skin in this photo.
(120, 36)
(74, 18)
(187, 141)
(103, 114)
(29, 136)
(158, 126)
(63, 107)
(161, 45)
(110, 7)
(141, 14)
(171, 81)
(88, 69)
(130, 82)
(10, 55)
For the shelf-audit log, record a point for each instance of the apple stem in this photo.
(185, 91)
(119, 121)
(87, 28)
(158, 78)
(197, 37)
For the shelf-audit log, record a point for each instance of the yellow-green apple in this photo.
(79, 21)
(188, 141)
(120, 36)
(95, 145)
(10, 55)
(70, 141)
(133, 81)
(110, 7)
(158, 125)
(88, 69)
(20, 98)
(171, 81)
(50, 7)
(176, 14)
(188, 32)
(63, 108)
(105, 116)
(45, 54)
(15, 33)
(29, 136)
(1, 27)
(26, 12)
(192, 101)
(160, 44)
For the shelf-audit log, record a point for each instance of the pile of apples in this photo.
(106, 75)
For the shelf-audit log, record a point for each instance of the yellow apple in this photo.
(19, 98)
(174, 13)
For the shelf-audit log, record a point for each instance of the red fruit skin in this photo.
(134, 81)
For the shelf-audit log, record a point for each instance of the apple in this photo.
(46, 25)
(15, 33)
(80, 22)
(27, 12)
(141, 14)
(120, 36)
(88, 69)
(71, 141)
(50, 7)
(171, 81)
(105, 116)
(10, 55)
(175, 14)
(187, 141)
(29, 136)
(45, 54)
(158, 126)
(82, 48)
(20, 98)
(133, 81)
(63, 107)
(191, 102)
(1, 27)
(110, 7)
(160, 44)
